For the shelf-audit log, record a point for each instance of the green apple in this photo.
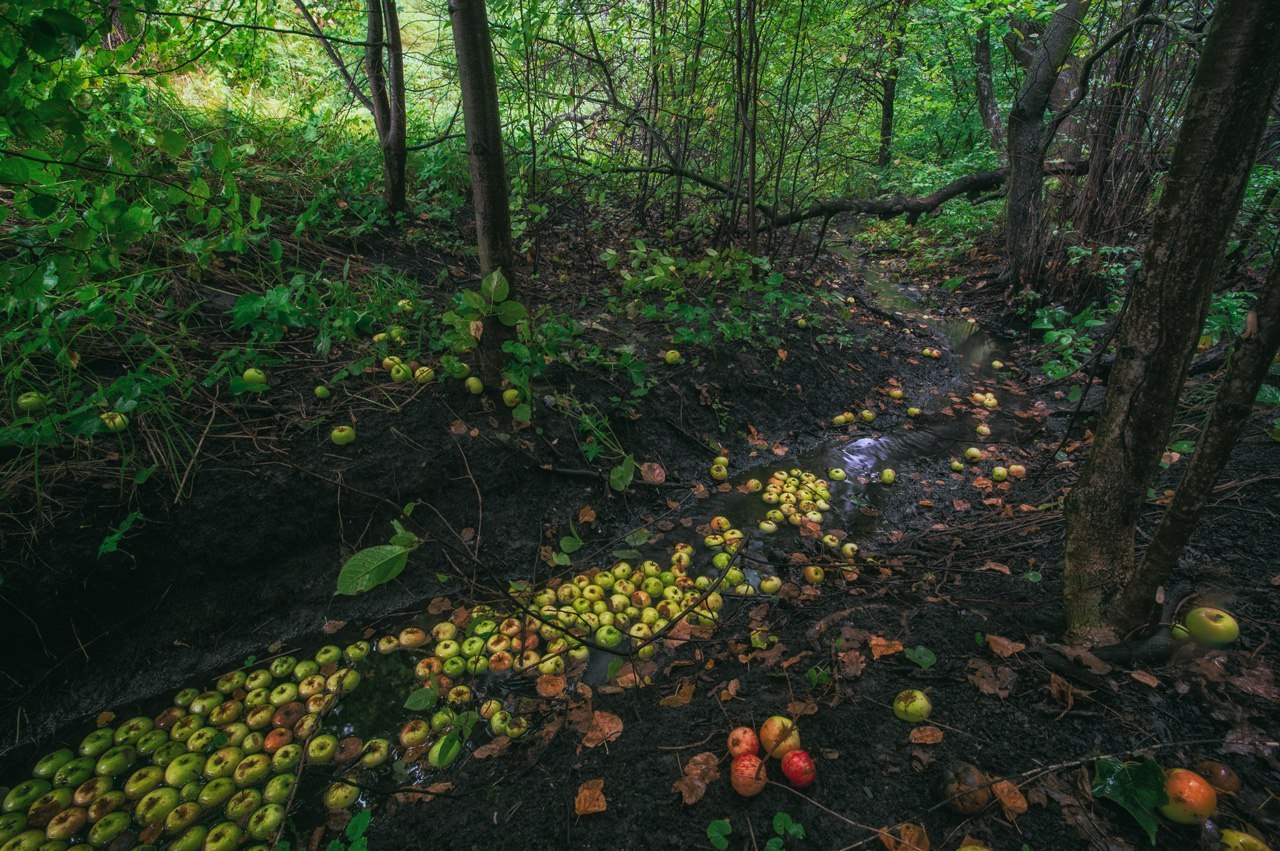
(340, 795)
(511, 397)
(999, 474)
(912, 705)
(867, 415)
(191, 839)
(95, 787)
(22, 796)
(719, 472)
(156, 805)
(116, 761)
(459, 371)
(225, 836)
(252, 770)
(973, 454)
(770, 584)
(322, 392)
(913, 412)
(376, 753)
(401, 372)
(49, 764)
(243, 804)
(887, 476)
(252, 375)
(281, 666)
(286, 758)
(608, 636)
(217, 792)
(31, 402)
(342, 435)
(956, 466)
(111, 825)
(444, 752)
(1211, 627)
(424, 375)
(321, 749)
(474, 385)
(672, 357)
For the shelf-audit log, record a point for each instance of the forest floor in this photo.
(956, 589)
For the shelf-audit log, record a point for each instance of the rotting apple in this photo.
(912, 705)
(743, 740)
(342, 435)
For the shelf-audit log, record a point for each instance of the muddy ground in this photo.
(949, 560)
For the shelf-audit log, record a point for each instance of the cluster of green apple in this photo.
(999, 472)
(34, 402)
(798, 497)
(214, 771)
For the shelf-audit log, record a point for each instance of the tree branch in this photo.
(334, 56)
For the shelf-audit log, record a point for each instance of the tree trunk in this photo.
(1027, 144)
(986, 90)
(887, 99)
(394, 141)
(1248, 368)
(483, 124)
(1226, 108)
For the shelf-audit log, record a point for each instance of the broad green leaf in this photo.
(422, 699)
(1268, 394)
(638, 537)
(358, 825)
(372, 567)
(1184, 447)
(511, 312)
(620, 476)
(1138, 787)
(495, 287)
(570, 545)
(921, 655)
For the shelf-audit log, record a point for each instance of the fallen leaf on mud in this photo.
(676, 634)
(550, 685)
(1010, 797)
(852, 663)
(438, 605)
(605, 727)
(700, 491)
(653, 473)
(730, 691)
(467, 535)
(1065, 693)
(801, 708)
(414, 794)
(699, 772)
(767, 658)
(982, 483)
(1004, 647)
(586, 514)
(796, 658)
(996, 681)
(754, 438)
(330, 627)
(1258, 681)
(960, 505)
(590, 798)
(925, 736)
(458, 427)
(778, 449)
(911, 837)
(883, 646)
(1244, 739)
(683, 695)
(997, 567)
(105, 718)
(495, 748)
(1145, 678)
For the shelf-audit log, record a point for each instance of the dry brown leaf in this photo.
(1083, 657)
(852, 663)
(1010, 797)
(438, 605)
(996, 681)
(605, 727)
(458, 427)
(1004, 647)
(1259, 681)
(801, 708)
(590, 798)
(996, 566)
(730, 691)
(682, 696)
(330, 627)
(550, 685)
(925, 735)
(413, 794)
(653, 473)
(699, 772)
(699, 491)
(497, 747)
(911, 837)
(1065, 693)
(105, 718)
(467, 535)
(883, 646)
(1145, 678)
(586, 514)
(796, 659)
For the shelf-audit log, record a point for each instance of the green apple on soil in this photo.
(342, 435)
(912, 705)
(956, 466)
(973, 454)
(511, 397)
(1211, 627)
(253, 375)
(340, 795)
(31, 402)
(887, 476)
(424, 375)
(999, 474)
(836, 474)
(401, 372)
(867, 415)
(321, 392)
(474, 385)
(719, 472)
(913, 412)
(672, 357)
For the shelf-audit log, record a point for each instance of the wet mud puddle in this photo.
(376, 711)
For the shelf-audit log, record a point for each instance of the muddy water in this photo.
(858, 504)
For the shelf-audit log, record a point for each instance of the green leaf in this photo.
(1074, 394)
(172, 143)
(473, 300)
(620, 476)
(1268, 394)
(522, 413)
(511, 312)
(639, 537)
(1138, 787)
(783, 825)
(570, 545)
(718, 832)
(774, 844)
(921, 655)
(422, 699)
(358, 824)
(495, 287)
(1184, 447)
(614, 667)
(372, 567)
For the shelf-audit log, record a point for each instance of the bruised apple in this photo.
(743, 740)
(747, 774)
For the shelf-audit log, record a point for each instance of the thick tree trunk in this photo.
(986, 90)
(488, 165)
(1027, 144)
(1226, 109)
(1250, 361)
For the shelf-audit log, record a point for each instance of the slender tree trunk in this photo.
(887, 98)
(483, 125)
(1217, 143)
(1250, 361)
(986, 90)
(1027, 145)
(394, 140)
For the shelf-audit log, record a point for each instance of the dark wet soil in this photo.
(248, 565)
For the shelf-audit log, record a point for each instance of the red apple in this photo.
(1191, 798)
(743, 740)
(799, 769)
(747, 774)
